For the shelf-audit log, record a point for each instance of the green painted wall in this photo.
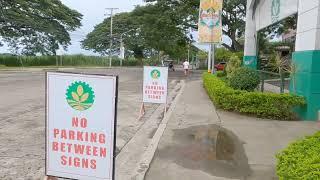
(305, 81)
(250, 61)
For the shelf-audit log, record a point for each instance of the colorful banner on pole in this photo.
(80, 126)
(210, 21)
(155, 84)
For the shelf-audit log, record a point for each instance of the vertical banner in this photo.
(80, 125)
(155, 84)
(210, 21)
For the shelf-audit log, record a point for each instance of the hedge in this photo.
(263, 105)
(300, 160)
(67, 60)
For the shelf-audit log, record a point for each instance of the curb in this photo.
(131, 154)
(144, 164)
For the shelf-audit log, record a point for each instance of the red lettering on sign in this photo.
(88, 150)
(79, 136)
(103, 152)
(63, 134)
(79, 162)
(93, 164)
(55, 146)
(55, 133)
(62, 147)
(71, 135)
(102, 138)
(63, 160)
(85, 163)
(78, 149)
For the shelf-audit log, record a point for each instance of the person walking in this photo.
(186, 65)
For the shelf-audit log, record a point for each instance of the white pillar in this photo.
(306, 59)
(250, 46)
(308, 27)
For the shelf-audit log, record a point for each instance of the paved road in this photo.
(22, 148)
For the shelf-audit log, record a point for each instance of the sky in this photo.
(94, 11)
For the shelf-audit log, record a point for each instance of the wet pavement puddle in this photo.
(209, 148)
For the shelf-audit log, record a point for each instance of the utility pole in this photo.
(189, 52)
(111, 36)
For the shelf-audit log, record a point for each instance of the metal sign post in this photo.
(212, 61)
(209, 58)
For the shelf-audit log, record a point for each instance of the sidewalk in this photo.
(195, 147)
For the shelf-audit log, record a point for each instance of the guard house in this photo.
(305, 58)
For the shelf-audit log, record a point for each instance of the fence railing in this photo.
(276, 79)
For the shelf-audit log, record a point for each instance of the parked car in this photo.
(220, 66)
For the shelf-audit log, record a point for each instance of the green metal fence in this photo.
(280, 80)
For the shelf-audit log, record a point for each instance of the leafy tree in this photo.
(37, 26)
(148, 30)
(99, 39)
(233, 20)
(186, 14)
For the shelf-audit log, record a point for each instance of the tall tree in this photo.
(186, 14)
(37, 26)
(125, 27)
(144, 30)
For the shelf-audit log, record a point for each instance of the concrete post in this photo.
(306, 59)
(250, 48)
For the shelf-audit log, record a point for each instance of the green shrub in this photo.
(233, 64)
(224, 55)
(300, 160)
(221, 73)
(264, 105)
(244, 79)
(239, 54)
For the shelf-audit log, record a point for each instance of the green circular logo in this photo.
(155, 74)
(80, 96)
(275, 10)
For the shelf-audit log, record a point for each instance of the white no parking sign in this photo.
(80, 125)
(155, 84)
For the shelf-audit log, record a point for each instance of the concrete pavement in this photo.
(263, 139)
(195, 146)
